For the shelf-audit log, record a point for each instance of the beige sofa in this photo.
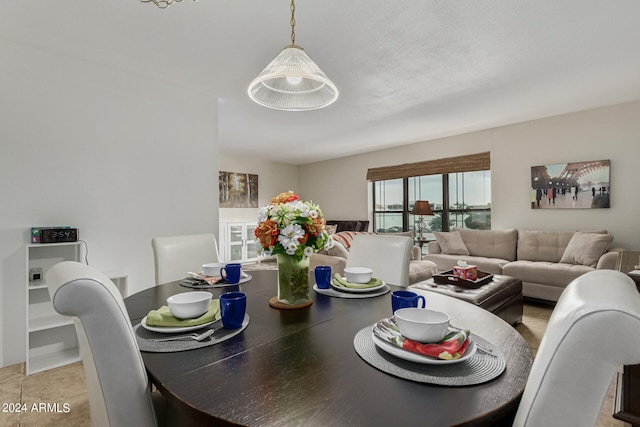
(545, 261)
(337, 256)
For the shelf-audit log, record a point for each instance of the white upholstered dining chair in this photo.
(175, 256)
(387, 256)
(118, 388)
(593, 330)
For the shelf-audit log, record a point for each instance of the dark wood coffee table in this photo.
(502, 296)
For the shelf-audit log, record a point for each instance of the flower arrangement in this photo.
(292, 227)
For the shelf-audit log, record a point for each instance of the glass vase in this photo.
(293, 280)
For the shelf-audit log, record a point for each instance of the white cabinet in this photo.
(237, 242)
(51, 337)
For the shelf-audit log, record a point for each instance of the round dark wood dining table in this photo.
(299, 367)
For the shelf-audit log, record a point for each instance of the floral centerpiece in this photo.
(292, 230)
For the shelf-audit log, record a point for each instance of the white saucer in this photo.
(358, 290)
(418, 358)
(168, 330)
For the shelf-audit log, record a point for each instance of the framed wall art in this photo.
(576, 185)
(238, 190)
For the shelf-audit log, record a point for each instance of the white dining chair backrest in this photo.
(387, 256)
(118, 389)
(175, 256)
(593, 330)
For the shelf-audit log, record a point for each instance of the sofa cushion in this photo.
(421, 270)
(451, 243)
(549, 273)
(490, 243)
(586, 248)
(542, 245)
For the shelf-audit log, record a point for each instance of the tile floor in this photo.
(64, 388)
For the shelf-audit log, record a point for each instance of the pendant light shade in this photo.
(292, 81)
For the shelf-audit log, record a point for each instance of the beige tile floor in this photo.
(66, 385)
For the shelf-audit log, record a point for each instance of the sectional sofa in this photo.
(545, 261)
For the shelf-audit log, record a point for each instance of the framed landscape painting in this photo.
(238, 190)
(577, 185)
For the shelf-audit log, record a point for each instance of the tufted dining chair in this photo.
(592, 331)
(387, 256)
(175, 256)
(118, 389)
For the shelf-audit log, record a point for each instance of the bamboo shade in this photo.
(468, 163)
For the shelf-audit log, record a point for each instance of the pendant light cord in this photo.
(293, 22)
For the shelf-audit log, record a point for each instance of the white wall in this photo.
(604, 133)
(122, 157)
(273, 179)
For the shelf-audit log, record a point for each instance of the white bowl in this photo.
(212, 269)
(422, 324)
(358, 274)
(189, 305)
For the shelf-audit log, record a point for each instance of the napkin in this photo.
(212, 280)
(163, 317)
(452, 346)
(342, 283)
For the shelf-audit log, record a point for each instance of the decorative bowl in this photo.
(358, 274)
(422, 324)
(189, 305)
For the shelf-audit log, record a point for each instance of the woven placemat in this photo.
(145, 338)
(337, 294)
(478, 369)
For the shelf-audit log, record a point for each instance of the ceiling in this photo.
(407, 71)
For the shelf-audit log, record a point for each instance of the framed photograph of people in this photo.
(576, 185)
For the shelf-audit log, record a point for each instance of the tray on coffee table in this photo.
(447, 278)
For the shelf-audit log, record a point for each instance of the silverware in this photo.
(486, 350)
(197, 337)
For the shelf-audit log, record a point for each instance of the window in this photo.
(460, 200)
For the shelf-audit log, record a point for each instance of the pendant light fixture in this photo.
(292, 81)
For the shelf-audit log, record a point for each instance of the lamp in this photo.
(421, 208)
(292, 81)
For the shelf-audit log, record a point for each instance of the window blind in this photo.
(468, 163)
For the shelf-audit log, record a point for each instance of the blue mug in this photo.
(233, 306)
(323, 276)
(404, 299)
(231, 273)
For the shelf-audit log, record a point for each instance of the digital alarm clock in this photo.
(53, 234)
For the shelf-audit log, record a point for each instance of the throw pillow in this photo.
(586, 248)
(338, 250)
(451, 243)
(331, 229)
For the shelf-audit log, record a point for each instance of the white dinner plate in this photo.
(168, 330)
(358, 290)
(419, 358)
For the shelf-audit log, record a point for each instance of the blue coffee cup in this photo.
(233, 306)
(323, 276)
(404, 299)
(231, 273)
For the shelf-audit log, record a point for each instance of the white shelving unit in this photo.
(237, 243)
(51, 338)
